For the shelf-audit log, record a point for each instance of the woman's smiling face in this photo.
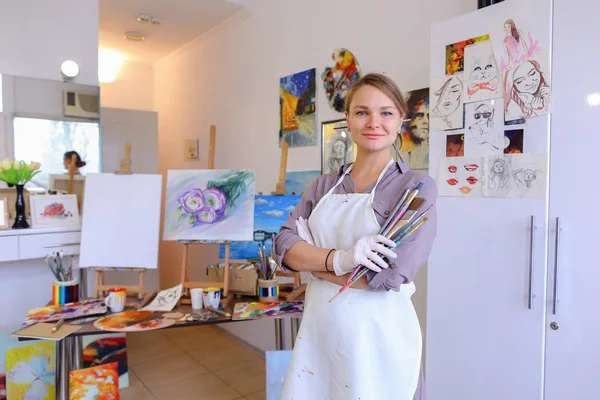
(527, 78)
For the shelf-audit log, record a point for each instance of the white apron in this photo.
(364, 345)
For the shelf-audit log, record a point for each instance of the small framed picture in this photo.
(337, 146)
(54, 211)
(60, 182)
(4, 212)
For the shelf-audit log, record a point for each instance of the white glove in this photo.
(304, 231)
(364, 252)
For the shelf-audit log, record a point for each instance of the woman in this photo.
(338, 155)
(527, 93)
(449, 103)
(367, 343)
(515, 44)
(67, 158)
(488, 140)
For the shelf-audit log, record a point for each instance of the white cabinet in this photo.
(30, 244)
(485, 338)
(573, 350)
(9, 248)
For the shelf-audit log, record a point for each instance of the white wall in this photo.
(133, 89)
(36, 36)
(230, 78)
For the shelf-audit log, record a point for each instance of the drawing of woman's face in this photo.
(528, 175)
(527, 78)
(507, 29)
(498, 167)
(339, 149)
(483, 114)
(450, 99)
(420, 122)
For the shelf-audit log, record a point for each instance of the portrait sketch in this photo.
(337, 146)
(484, 128)
(446, 96)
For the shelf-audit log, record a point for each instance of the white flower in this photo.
(6, 164)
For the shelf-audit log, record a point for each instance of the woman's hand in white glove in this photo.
(364, 252)
(304, 231)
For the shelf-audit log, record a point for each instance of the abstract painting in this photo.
(336, 145)
(100, 382)
(298, 182)
(455, 54)
(455, 145)
(66, 311)
(256, 310)
(30, 372)
(513, 141)
(338, 78)
(133, 321)
(297, 109)
(210, 205)
(446, 102)
(270, 213)
(415, 131)
(460, 177)
(107, 349)
(55, 210)
(483, 80)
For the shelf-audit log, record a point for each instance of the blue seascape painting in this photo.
(298, 182)
(270, 213)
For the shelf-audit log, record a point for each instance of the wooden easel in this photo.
(290, 292)
(185, 279)
(100, 287)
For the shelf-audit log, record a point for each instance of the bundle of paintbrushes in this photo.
(404, 220)
(57, 266)
(266, 262)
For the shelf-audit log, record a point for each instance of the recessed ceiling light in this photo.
(148, 19)
(134, 36)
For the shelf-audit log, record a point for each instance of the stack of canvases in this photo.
(493, 85)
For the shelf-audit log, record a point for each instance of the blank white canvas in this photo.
(121, 225)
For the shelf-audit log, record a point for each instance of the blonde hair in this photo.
(384, 84)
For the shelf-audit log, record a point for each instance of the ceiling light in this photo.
(593, 99)
(148, 19)
(69, 69)
(134, 36)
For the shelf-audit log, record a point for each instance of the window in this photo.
(46, 141)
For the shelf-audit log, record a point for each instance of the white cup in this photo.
(196, 295)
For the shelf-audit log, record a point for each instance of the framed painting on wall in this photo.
(54, 210)
(337, 147)
(4, 213)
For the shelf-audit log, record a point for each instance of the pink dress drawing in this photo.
(515, 50)
(516, 53)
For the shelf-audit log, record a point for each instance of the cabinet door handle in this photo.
(531, 260)
(556, 265)
(51, 246)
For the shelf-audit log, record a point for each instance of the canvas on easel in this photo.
(121, 226)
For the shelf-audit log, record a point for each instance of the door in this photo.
(573, 326)
(485, 338)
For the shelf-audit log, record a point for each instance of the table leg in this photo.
(279, 345)
(62, 369)
(76, 353)
(82, 283)
(295, 326)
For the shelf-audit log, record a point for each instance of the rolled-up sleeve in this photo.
(288, 234)
(414, 251)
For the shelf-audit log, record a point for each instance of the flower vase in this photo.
(20, 220)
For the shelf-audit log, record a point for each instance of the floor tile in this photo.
(203, 387)
(196, 338)
(145, 350)
(136, 390)
(168, 370)
(261, 395)
(248, 377)
(224, 355)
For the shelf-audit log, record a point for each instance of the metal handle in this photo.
(556, 265)
(51, 246)
(531, 260)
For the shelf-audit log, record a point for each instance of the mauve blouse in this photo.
(412, 253)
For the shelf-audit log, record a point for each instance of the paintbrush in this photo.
(415, 221)
(404, 207)
(416, 204)
(362, 273)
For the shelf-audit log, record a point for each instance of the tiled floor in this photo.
(192, 363)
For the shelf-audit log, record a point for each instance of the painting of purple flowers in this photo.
(211, 205)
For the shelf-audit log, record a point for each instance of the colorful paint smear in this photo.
(98, 383)
(297, 105)
(455, 54)
(455, 145)
(415, 131)
(270, 213)
(513, 141)
(30, 372)
(106, 349)
(338, 79)
(65, 311)
(126, 322)
(256, 310)
(209, 205)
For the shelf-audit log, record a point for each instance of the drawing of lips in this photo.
(472, 180)
(452, 181)
(452, 169)
(471, 167)
(465, 190)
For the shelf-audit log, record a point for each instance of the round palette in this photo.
(132, 321)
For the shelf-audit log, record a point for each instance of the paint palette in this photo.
(65, 311)
(133, 321)
(256, 310)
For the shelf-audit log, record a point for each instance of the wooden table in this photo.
(69, 350)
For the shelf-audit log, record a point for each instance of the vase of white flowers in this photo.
(18, 173)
